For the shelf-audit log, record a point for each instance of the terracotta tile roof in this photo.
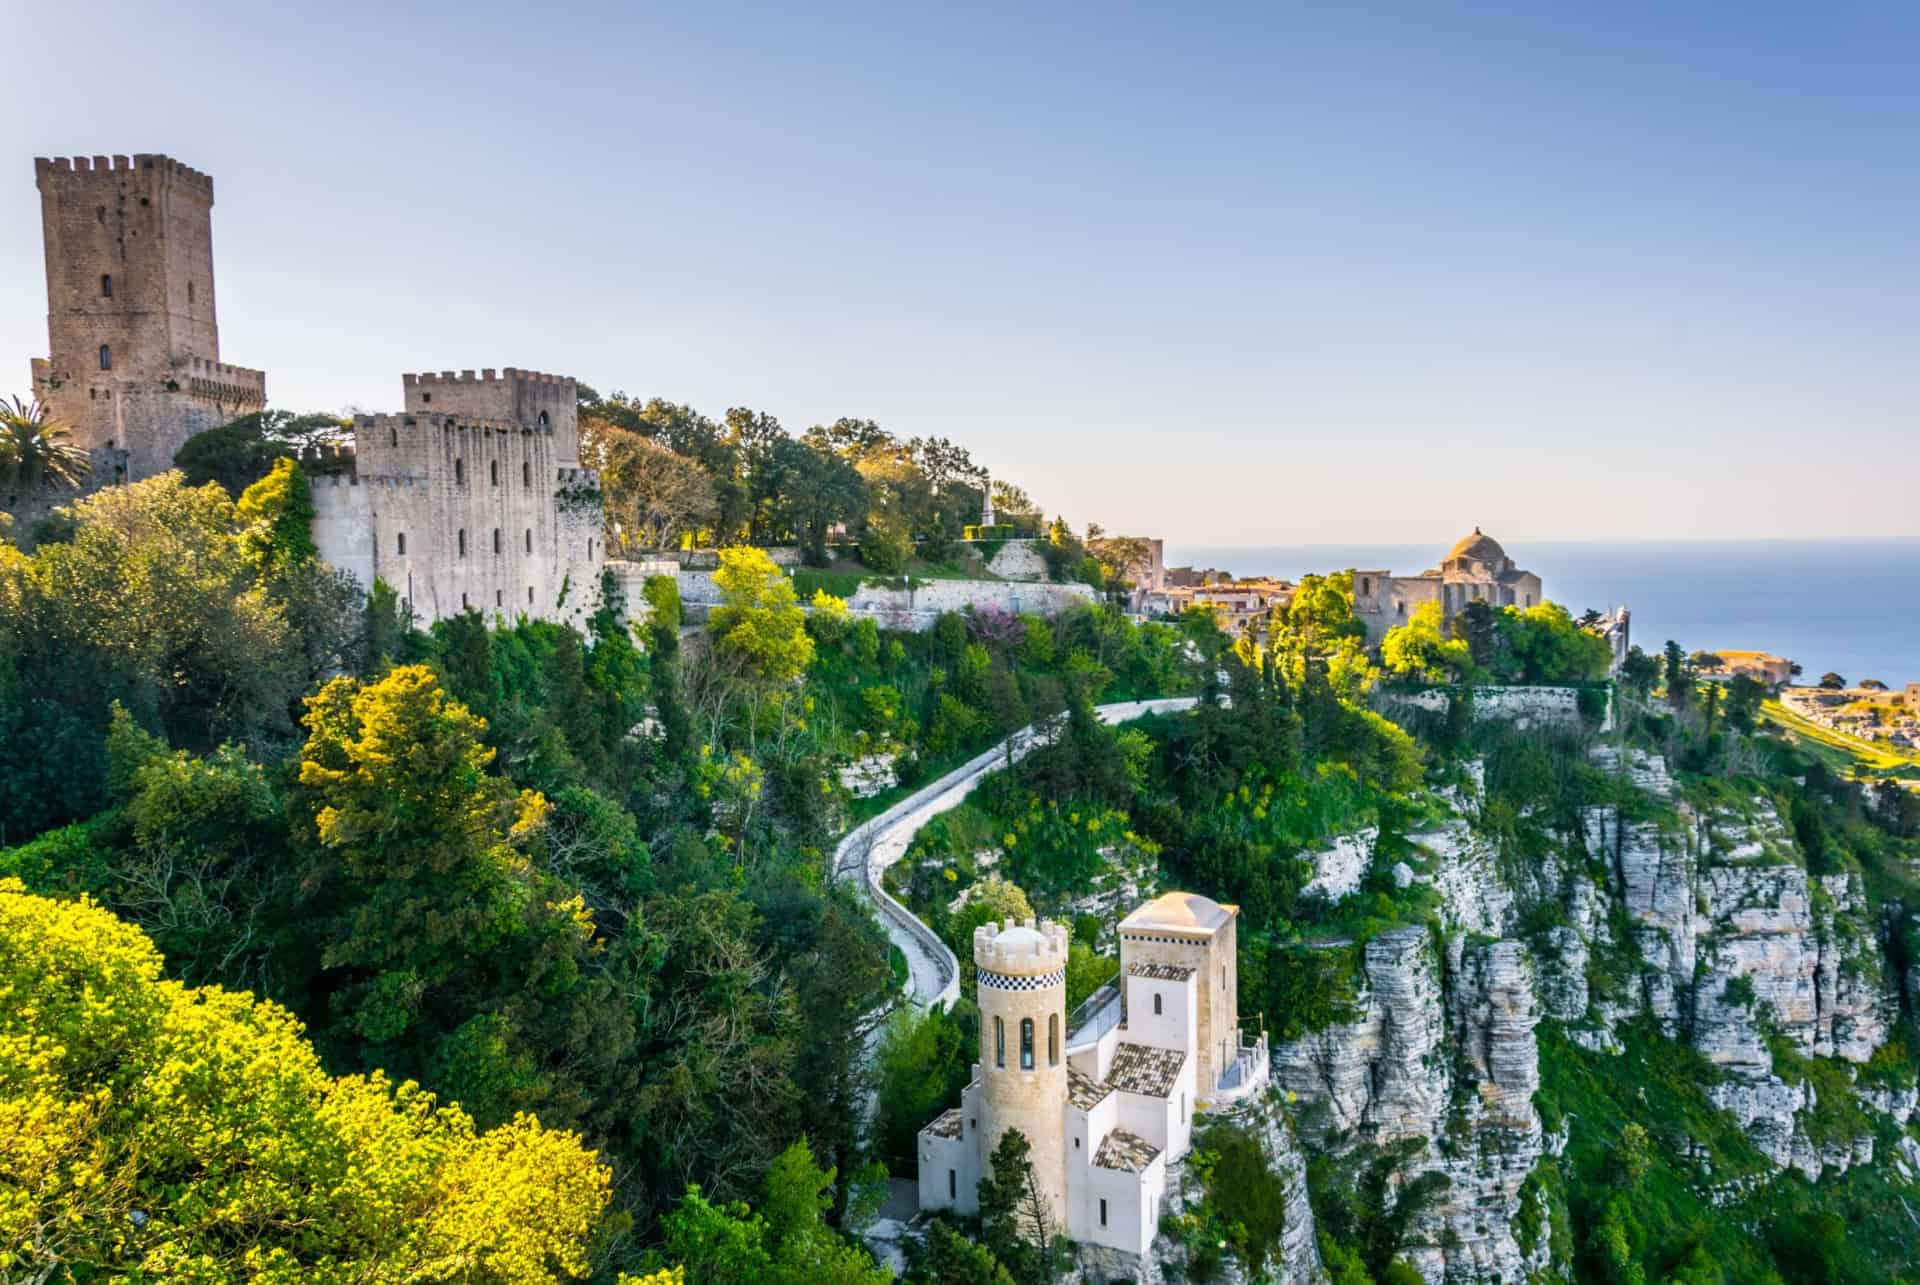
(1150, 1071)
(1084, 1091)
(1160, 972)
(947, 1125)
(1127, 1152)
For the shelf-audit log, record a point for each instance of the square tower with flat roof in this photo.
(133, 342)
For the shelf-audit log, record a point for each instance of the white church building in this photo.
(1105, 1107)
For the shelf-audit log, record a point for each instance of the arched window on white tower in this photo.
(1053, 1039)
(1026, 1044)
(999, 1043)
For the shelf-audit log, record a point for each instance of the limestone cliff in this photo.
(1701, 917)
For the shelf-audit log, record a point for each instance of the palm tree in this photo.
(35, 448)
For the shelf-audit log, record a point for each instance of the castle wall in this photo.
(456, 515)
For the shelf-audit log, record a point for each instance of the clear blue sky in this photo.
(1260, 274)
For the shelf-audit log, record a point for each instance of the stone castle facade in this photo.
(472, 496)
(133, 339)
(1107, 1106)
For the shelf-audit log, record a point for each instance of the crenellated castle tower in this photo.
(133, 340)
(1022, 971)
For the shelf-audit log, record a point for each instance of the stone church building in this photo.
(472, 496)
(1475, 569)
(1105, 1107)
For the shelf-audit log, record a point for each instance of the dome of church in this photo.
(1187, 910)
(1477, 548)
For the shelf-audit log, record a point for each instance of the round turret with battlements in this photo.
(1022, 976)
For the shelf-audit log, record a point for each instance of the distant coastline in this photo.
(1851, 606)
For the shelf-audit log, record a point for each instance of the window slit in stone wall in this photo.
(529, 595)
(999, 1043)
(529, 539)
(493, 472)
(526, 474)
(459, 471)
(496, 542)
(499, 597)
(106, 285)
(463, 602)
(189, 292)
(1053, 1039)
(400, 544)
(1103, 1211)
(106, 357)
(393, 437)
(463, 542)
(1026, 1044)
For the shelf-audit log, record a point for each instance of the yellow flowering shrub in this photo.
(152, 1128)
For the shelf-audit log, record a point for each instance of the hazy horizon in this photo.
(1226, 275)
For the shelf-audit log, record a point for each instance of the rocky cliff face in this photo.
(1703, 919)
(1742, 954)
(1297, 1259)
(1444, 1050)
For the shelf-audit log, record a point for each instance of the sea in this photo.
(1847, 606)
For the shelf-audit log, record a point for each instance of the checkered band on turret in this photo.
(1004, 982)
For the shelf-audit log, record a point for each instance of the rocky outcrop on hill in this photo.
(1703, 919)
(1443, 1050)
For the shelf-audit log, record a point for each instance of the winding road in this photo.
(933, 972)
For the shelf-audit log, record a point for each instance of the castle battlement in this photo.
(486, 376)
(1029, 949)
(184, 175)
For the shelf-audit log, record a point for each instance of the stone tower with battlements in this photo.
(133, 342)
(1022, 971)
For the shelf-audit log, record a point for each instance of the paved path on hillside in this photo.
(933, 972)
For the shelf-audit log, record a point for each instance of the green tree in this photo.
(1832, 681)
(240, 453)
(1016, 1224)
(922, 1062)
(1420, 649)
(1639, 671)
(159, 1131)
(1679, 679)
(948, 1257)
(759, 623)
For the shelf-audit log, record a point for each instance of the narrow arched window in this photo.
(459, 470)
(393, 437)
(493, 472)
(106, 285)
(1026, 1044)
(529, 539)
(526, 473)
(106, 357)
(463, 602)
(400, 544)
(589, 550)
(496, 542)
(543, 419)
(1053, 1039)
(499, 597)
(463, 542)
(1156, 1003)
(529, 595)
(999, 1042)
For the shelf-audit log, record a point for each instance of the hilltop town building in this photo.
(1107, 1106)
(133, 343)
(1476, 569)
